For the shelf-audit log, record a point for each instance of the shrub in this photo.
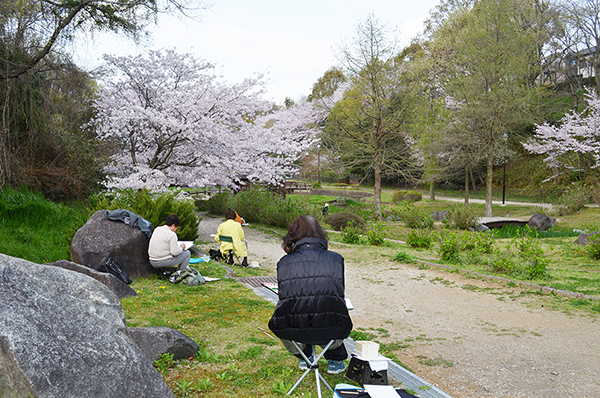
(460, 217)
(593, 246)
(351, 233)
(449, 247)
(409, 196)
(419, 238)
(403, 257)
(481, 242)
(153, 207)
(340, 220)
(317, 185)
(259, 205)
(523, 259)
(414, 217)
(573, 200)
(217, 204)
(376, 234)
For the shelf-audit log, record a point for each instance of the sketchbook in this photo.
(187, 243)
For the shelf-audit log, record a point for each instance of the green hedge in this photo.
(258, 205)
(153, 207)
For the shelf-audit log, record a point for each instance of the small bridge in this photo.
(498, 222)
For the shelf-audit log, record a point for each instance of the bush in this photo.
(593, 246)
(414, 217)
(259, 205)
(409, 196)
(481, 242)
(153, 207)
(419, 238)
(376, 234)
(404, 258)
(460, 217)
(573, 200)
(351, 233)
(523, 259)
(338, 221)
(217, 204)
(449, 248)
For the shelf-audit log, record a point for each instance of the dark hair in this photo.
(172, 219)
(230, 214)
(302, 227)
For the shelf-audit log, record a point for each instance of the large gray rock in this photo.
(584, 238)
(63, 334)
(439, 216)
(155, 341)
(100, 239)
(113, 283)
(540, 221)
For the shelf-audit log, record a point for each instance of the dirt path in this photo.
(498, 345)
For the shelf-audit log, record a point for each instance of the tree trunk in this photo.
(488, 185)
(466, 185)
(377, 192)
(472, 180)
(432, 192)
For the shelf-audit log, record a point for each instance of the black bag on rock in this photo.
(112, 267)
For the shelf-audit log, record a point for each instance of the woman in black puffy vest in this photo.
(311, 308)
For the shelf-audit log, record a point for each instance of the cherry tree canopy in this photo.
(578, 134)
(175, 123)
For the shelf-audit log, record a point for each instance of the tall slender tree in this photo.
(368, 121)
(487, 51)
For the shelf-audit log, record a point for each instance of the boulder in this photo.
(101, 238)
(584, 238)
(113, 283)
(439, 216)
(479, 227)
(155, 341)
(63, 334)
(540, 221)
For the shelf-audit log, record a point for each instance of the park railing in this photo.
(514, 195)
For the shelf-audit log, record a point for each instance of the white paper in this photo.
(187, 243)
(381, 391)
(209, 279)
(349, 304)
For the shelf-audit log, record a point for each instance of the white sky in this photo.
(294, 42)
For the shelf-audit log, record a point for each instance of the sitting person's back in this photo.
(163, 249)
(234, 230)
(311, 307)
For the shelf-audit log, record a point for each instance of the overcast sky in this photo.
(294, 42)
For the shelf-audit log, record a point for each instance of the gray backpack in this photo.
(189, 276)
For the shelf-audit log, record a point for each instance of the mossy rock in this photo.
(340, 220)
(408, 196)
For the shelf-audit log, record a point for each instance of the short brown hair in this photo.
(302, 227)
(230, 214)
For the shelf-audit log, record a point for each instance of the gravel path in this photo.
(470, 338)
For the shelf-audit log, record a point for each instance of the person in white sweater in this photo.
(163, 250)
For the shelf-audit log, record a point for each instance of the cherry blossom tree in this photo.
(575, 144)
(176, 123)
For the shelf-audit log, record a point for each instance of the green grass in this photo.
(239, 356)
(35, 229)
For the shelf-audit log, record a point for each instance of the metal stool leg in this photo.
(312, 366)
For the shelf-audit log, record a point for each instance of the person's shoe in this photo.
(245, 262)
(335, 367)
(304, 364)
